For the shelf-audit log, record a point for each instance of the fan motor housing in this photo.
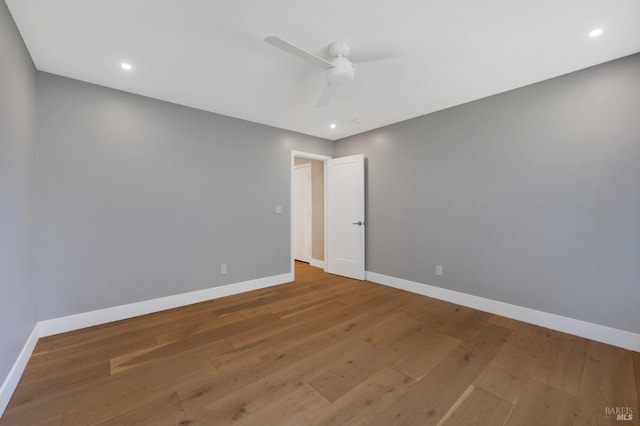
(339, 49)
(341, 73)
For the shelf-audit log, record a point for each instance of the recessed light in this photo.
(332, 125)
(596, 32)
(126, 66)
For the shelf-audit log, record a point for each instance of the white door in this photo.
(302, 185)
(345, 216)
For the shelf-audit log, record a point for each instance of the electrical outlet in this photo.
(279, 209)
(439, 271)
(223, 268)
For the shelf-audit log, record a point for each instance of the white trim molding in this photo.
(597, 332)
(10, 383)
(317, 263)
(116, 313)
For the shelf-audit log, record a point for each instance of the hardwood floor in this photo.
(324, 350)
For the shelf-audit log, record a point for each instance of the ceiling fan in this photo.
(339, 67)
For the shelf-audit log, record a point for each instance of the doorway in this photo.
(337, 245)
(318, 203)
(308, 208)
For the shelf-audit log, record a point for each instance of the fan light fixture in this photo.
(339, 68)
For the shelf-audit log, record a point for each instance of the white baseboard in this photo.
(600, 333)
(15, 373)
(116, 313)
(317, 263)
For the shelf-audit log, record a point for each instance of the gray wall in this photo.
(530, 197)
(139, 199)
(17, 193)
(317, 206)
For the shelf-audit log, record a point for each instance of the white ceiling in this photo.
(211, 55)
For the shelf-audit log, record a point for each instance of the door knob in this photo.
(359, 223)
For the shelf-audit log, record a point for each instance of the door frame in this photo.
(310, 156)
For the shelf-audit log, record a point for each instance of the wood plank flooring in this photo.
(324, 350)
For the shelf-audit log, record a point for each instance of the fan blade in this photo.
(298, 51)
(375, 61)
(364, 55)
(325, 97)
